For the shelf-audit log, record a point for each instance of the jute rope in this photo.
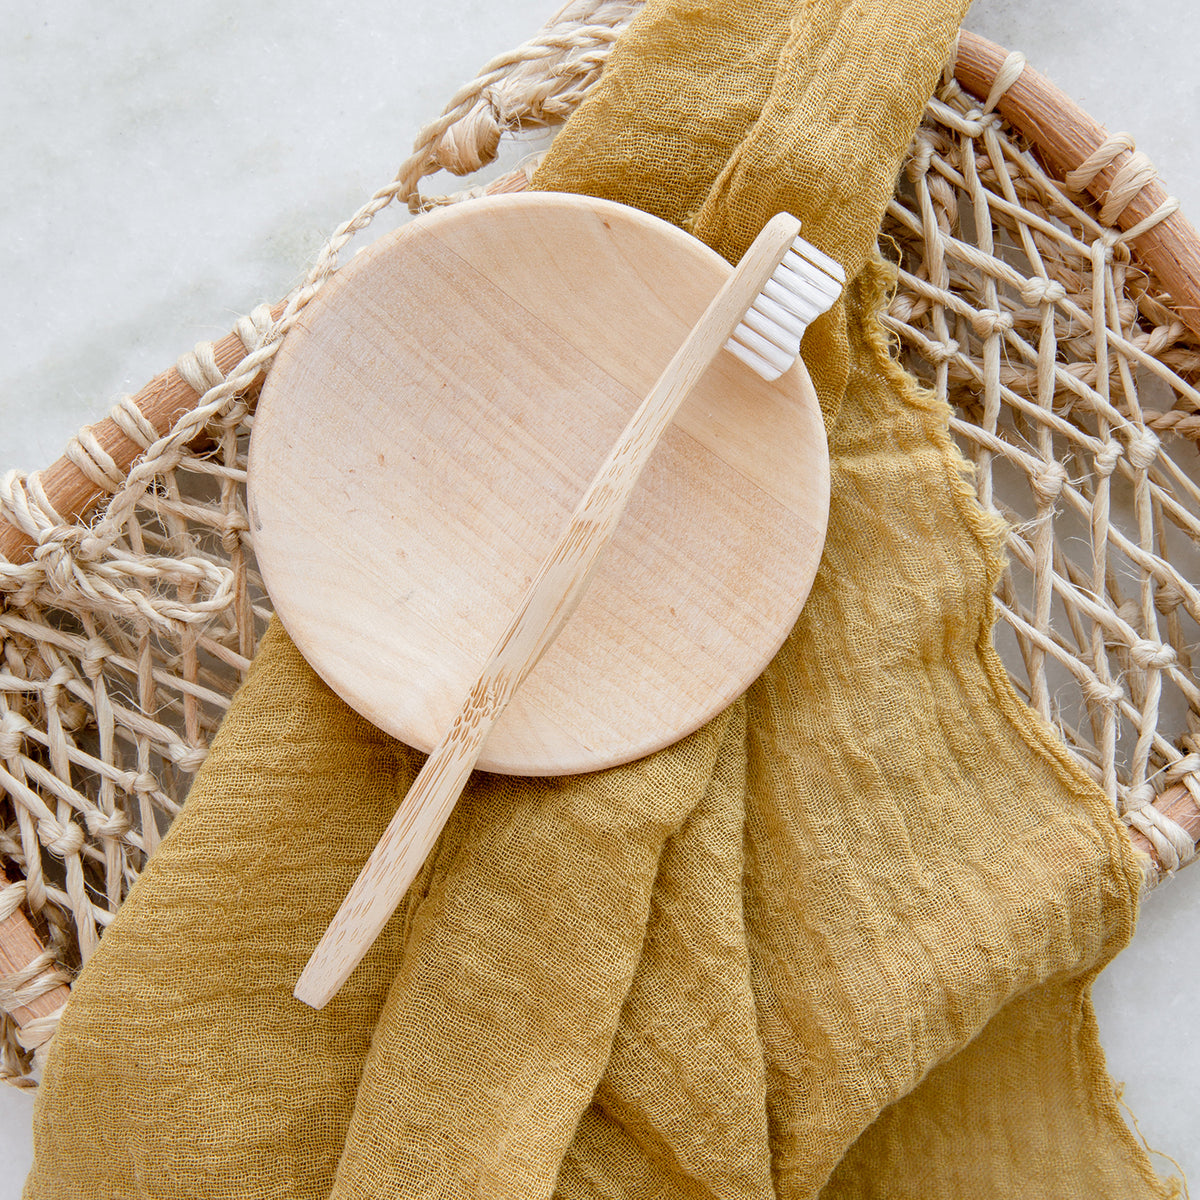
(123, 637)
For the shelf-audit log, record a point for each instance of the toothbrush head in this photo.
(805, 284)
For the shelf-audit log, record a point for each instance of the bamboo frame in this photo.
(20, 947)
(1064, 137)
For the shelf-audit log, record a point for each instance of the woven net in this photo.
(1072, 385)
(124, 638)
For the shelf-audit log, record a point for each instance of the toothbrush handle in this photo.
(553, 595)
(396, 859)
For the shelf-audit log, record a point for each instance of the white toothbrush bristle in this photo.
(778, 357)
(806, 284)
(820, 260)
(772, 330)
(774, 311)
(755, 362)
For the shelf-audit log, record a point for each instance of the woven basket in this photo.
(1046, 286)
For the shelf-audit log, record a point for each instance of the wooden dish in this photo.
(426, 430)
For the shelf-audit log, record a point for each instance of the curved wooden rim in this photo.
(1064, 137)
(1061, 133)
(19, 947)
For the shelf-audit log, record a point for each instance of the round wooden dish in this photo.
(426, 431)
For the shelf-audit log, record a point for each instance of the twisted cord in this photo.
(1127, 184)
(262, 339)
(37, 978)
(465, 137)
(1010, 71)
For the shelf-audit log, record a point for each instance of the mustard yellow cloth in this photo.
(839, 942)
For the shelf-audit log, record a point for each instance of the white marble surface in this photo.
(168, 166)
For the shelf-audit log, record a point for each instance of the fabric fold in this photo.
(839, 942)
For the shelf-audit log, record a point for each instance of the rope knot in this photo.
(1048, 483)
(987, 322)
(1095, 691)
(1167, 597)
(53, 686)
(920, 156)
(231, 418)
(1131, 177)
(1150, 654)
(940, 352)
(143, 783)
(94, 654)
(1139, 797)
(1107, 459)
(1143, 449)
(1042, 291)
(62, 840)
(471, 142)
(106, 825)
(12, 734)
(975, 121)
(198, 368)
(253, 329)
(233, 526)
(56, 558)
(188, 758)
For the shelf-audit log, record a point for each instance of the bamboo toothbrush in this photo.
(760, 314)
